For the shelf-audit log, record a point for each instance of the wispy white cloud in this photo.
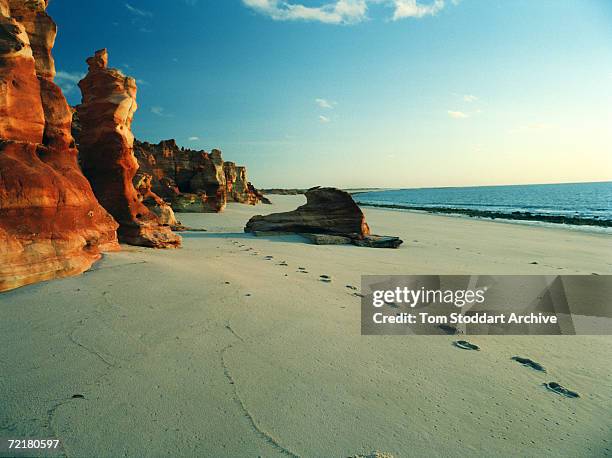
(457, 114)
(412, 8)
(324, 119)
(342, 11)
(324, 103)
(160, 111)
(137, 11)
(72, 77)
(469, 98)
(194, 139)
(68, 81)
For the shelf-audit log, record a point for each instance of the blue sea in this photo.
(587, 204)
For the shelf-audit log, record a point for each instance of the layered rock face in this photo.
(192, 181)
(143, 184)
(195, 181)
(51, 224)
(327, 211)
(107, 155)
(239, 189)
(329, 217)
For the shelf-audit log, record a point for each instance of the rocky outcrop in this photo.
(328, 211)
(194, 181)
(51, 224)
(165, 214)
(239, 189)
(107, 155)
(183, 176)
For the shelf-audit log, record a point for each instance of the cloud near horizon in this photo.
(342, 11)
(457, 114)
(324, 103)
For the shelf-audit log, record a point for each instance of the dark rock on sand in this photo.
(329, 217)
(327, 239)
(379, 241)
(327, 211)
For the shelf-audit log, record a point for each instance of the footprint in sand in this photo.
(447, 329)
(354, 288)
(529, 363)
(560, 389)
(325, 278)
(302, 270)
(269, 258)
(465, 345)
(282, 263)
(374, 454)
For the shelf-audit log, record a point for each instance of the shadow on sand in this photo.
(286, 238)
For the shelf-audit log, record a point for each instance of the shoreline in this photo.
(558, 220)
(244, 329)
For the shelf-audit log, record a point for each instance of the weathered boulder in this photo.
(51, 224)
(379, 241)
(327, 211)
(107, 156)
(329, 217)
(327, 239)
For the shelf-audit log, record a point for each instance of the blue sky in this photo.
(394, 93)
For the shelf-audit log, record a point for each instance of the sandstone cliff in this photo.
(192, 181)
(51, 224)
(107, 155)
(239, 188)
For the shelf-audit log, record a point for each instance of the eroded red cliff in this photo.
(239, 188)
(195, 181)
(106, 148)
(192, 181)
(51, 224)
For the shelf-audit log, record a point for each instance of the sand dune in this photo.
(233, 346)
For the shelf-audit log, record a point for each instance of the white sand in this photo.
(173, 361)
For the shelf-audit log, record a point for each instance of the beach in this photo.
(233, 346)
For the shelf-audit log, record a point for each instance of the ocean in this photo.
(585, 205)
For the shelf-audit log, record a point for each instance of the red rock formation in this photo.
(239, 189)
(51, 225)
(107, 156)
(191, 180)
(327, 211)
(142, 183)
